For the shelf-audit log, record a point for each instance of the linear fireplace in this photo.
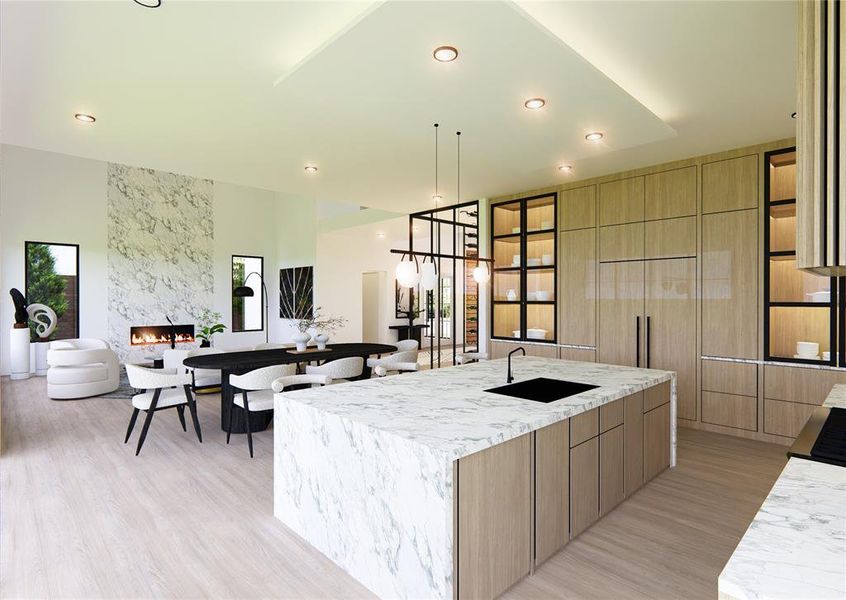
(160, 334)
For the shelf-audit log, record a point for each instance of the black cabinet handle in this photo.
(637, 341)
(647, 342)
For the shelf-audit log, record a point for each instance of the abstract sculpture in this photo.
(21, 315)
(45, 319)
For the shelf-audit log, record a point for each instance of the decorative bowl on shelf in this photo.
(531, 296)
(543, 295)
(517, 333)
(533, 262)
(536, 334)
(547, 259)
(515, 260)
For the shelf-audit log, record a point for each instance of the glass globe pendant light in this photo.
(428, 274)
(407, 273)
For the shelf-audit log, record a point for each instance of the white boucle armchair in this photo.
(81, 368)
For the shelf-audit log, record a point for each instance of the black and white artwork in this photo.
(296, 293)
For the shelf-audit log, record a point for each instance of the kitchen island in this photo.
(426, 485)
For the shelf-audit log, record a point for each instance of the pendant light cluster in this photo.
(410, 272)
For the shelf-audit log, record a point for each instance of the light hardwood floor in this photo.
(81, 516)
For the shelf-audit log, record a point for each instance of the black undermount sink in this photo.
(542, 389)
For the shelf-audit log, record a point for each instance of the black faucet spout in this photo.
(510, 376)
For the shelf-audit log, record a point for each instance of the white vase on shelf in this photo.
(301, 340)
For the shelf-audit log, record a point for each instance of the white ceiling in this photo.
(249, 92)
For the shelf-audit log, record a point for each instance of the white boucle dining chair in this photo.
(256, 394)
(406, 356)
(396, 367)
(340, 370)
(164, 389)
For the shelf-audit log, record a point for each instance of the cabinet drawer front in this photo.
(621, 201)
(584, 486)
(785, 418)
(730, 184)
(584, 426)
(621, 242)
(728, 410)
(670, 238)
(795, 384)
(730, 378)
(670, 193)
(578, 208)
(611, 415)
(656, 396)
(612, 489)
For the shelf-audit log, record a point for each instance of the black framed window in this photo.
(51, 277)
(248, 312)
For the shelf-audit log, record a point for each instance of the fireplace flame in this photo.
(143, 336)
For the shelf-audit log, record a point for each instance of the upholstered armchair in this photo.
(256, 393)
(340, 370)
(81, 368)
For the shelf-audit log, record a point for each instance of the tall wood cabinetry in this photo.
(647, 276)
(691, 267)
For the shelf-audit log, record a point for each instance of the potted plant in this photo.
(209, 325)
(322, 325)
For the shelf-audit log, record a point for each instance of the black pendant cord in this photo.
(458, 167)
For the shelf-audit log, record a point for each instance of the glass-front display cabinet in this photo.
(523, 238)
(800, 310)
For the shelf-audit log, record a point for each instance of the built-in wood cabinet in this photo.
(670, 238)
(647, 318)
(621, 242)
(612, 487)
(552, 489)
(577, 297)
(792, 393)
(578, 208)
(633, 430)
(621, 201)
(584, 485)
(500, 349)
(670, 194)
(730, 284)
(494, 512)
(730, 184)
(656, 427)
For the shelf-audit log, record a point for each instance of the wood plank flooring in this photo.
(82, 517)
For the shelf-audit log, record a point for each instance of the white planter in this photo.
(301, 340)
(41, 349)
(19, 353)
(321, 339)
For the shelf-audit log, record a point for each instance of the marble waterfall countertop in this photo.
(796, 546)
(449, 411)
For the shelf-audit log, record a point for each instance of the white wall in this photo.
(52, 197)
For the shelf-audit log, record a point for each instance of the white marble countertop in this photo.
(796, 545)
(449, 411)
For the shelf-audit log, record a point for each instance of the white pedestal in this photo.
(19, 353)
(41, 366)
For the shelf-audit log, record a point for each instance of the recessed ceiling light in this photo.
(380, 235)
(534, 103)
(565, 168)
(793, 116)
(594, 136)
(84, 118)
(310, 169)
(437, 197)
(445, 54)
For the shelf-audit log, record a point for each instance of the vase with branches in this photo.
(320, 325)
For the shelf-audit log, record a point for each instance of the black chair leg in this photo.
(229, 418)
(247, 416)
(192, 406)
(148, 419)
(180, 410)
(132, 419)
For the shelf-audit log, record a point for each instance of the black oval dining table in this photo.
(238, 363)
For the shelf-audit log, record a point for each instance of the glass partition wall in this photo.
(449, 311)
(800, 308)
